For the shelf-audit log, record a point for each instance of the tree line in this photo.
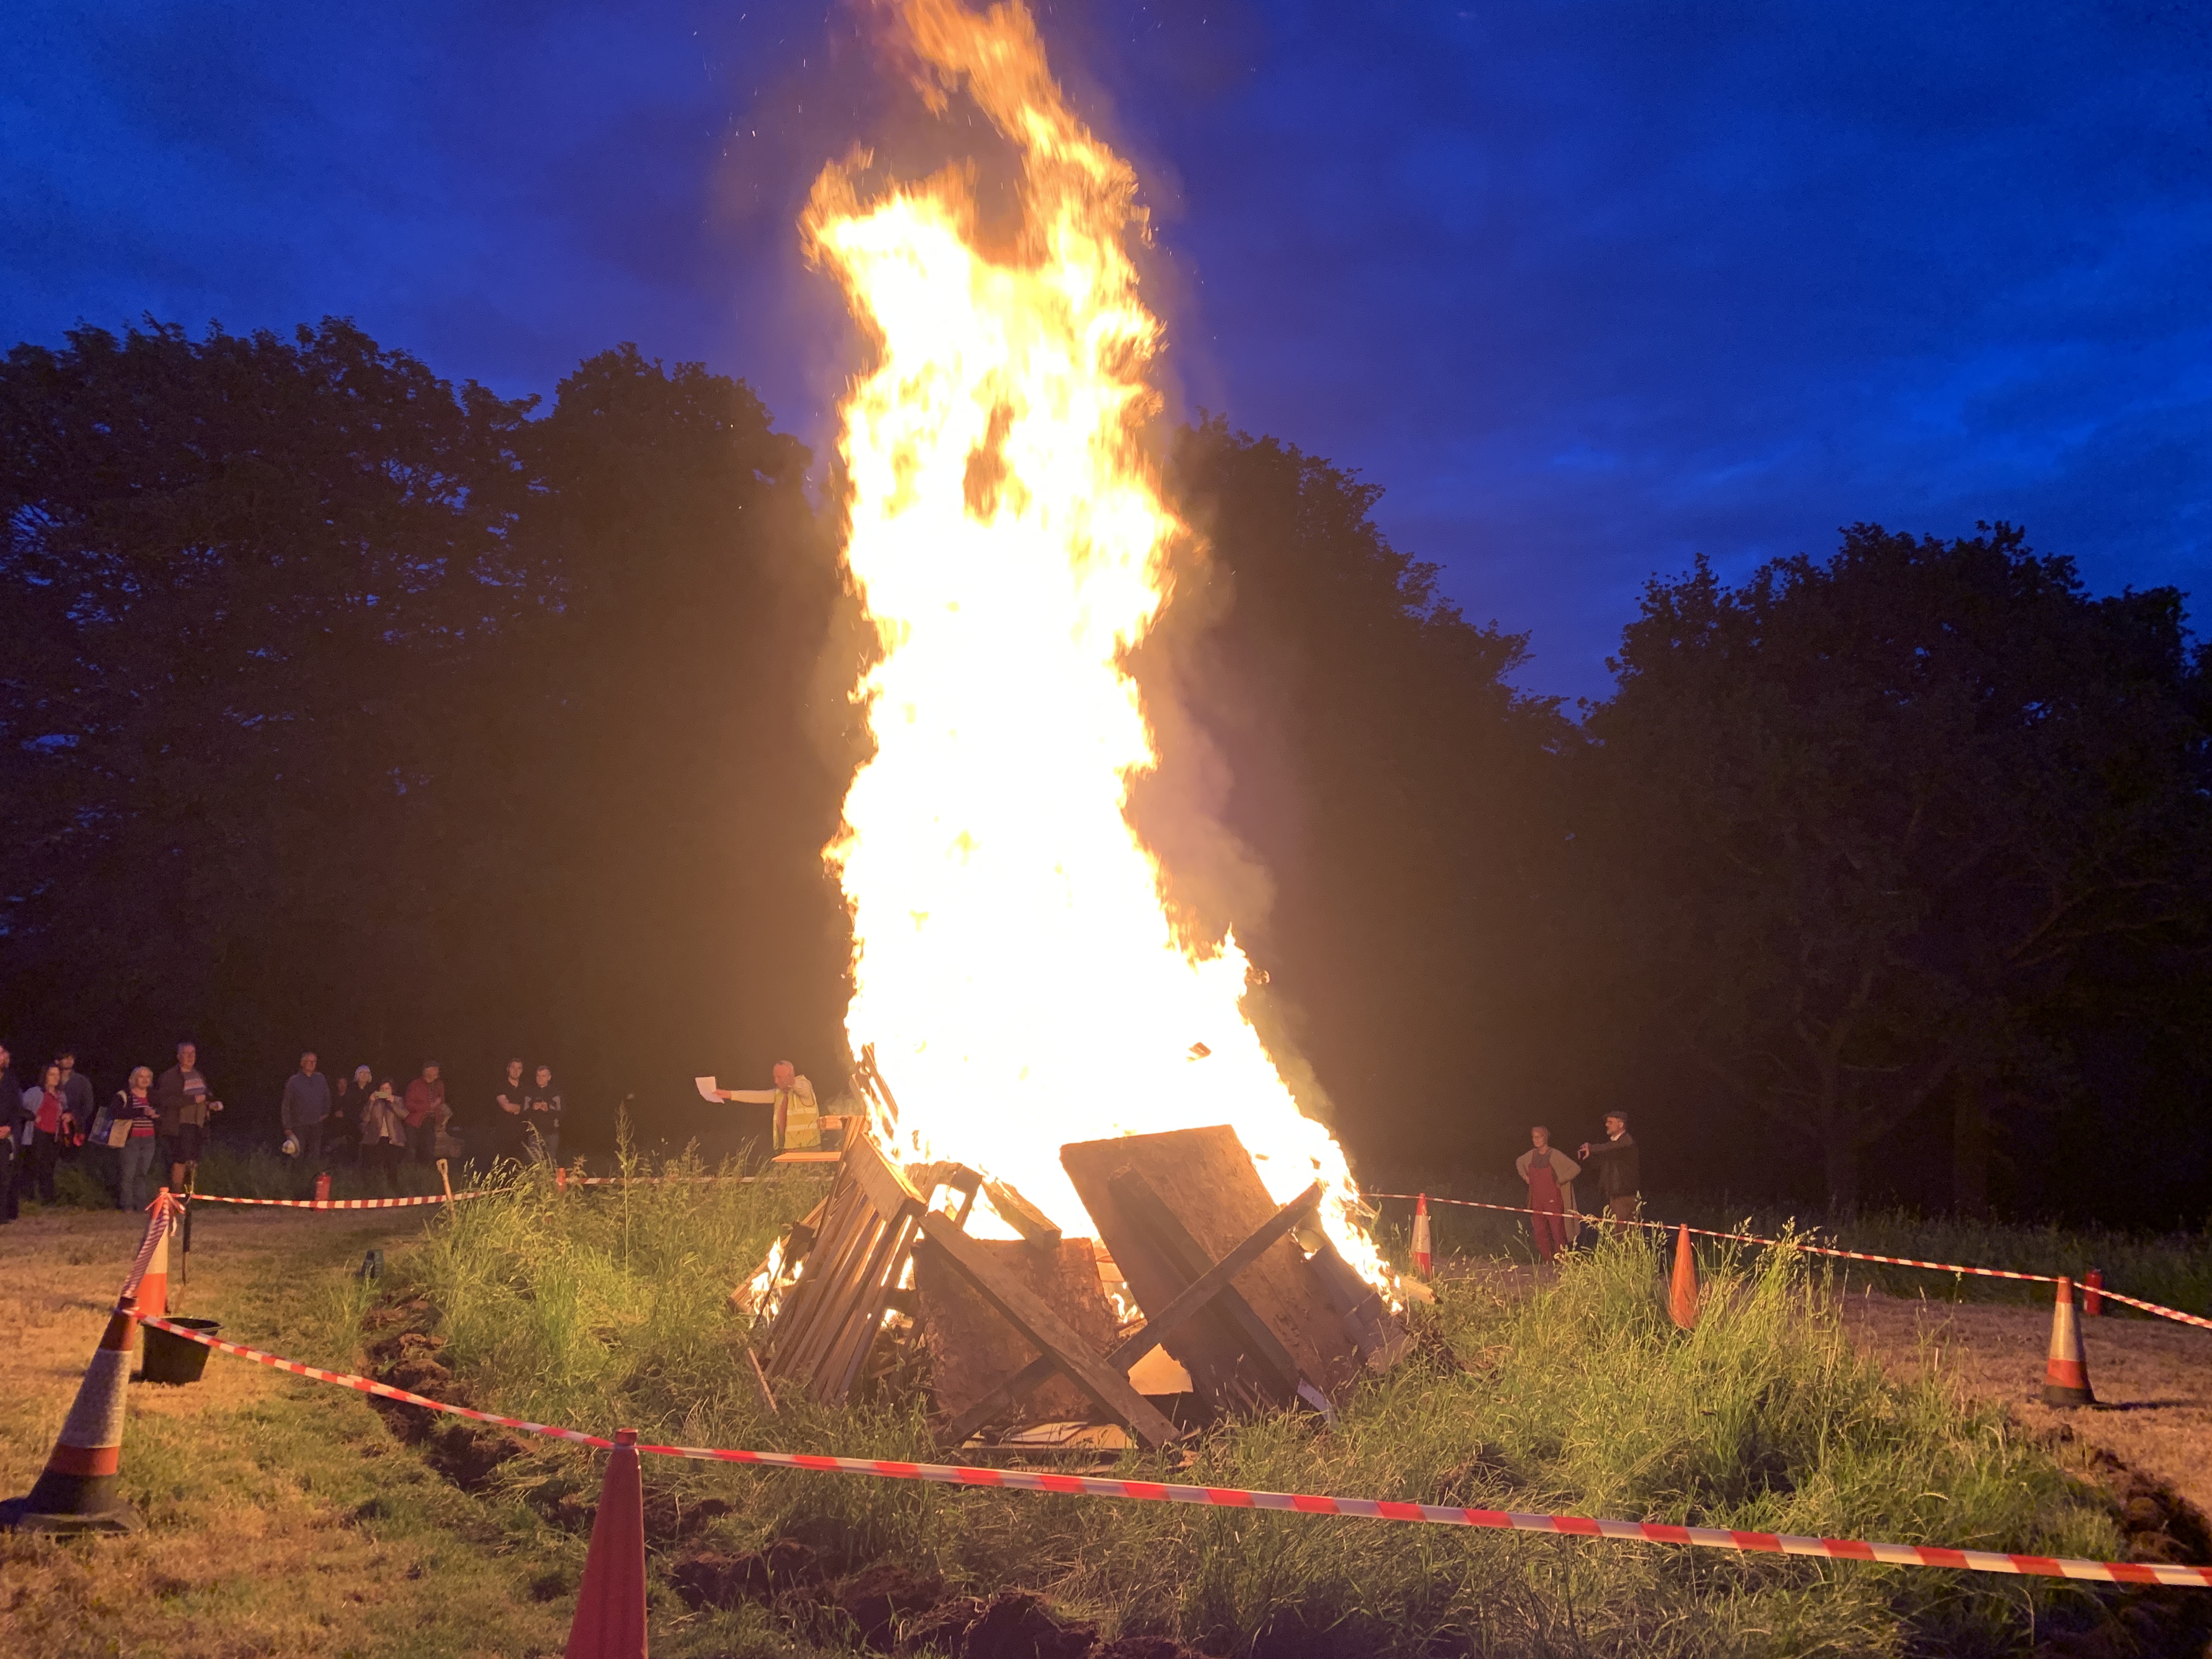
(346, 708)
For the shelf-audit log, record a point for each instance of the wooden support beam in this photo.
(1184, 1255)
(1134, 1346)
(1046, 1331)
(1023, 1217)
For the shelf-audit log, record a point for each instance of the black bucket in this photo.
(172, 1358)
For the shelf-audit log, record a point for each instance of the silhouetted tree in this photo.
(691, 741)
(243, 577)
(1864, 817)
(1400, 800)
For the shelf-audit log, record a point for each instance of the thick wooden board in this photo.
(972, 1348)
(1132, 1348)
(1108, 1390)
(1207, 1181)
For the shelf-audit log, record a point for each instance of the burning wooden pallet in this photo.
(1225, 1287)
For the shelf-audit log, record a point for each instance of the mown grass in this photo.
(281, 1518)
(606, 1307)
(2172, 1268)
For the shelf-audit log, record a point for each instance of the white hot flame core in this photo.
(1015, 967)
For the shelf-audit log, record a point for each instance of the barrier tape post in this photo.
(1367, 1508)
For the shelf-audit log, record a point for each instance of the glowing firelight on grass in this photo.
(1015, 969)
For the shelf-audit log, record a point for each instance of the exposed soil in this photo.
(2153, 1380)
(893, 1610)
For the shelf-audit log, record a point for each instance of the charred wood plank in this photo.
(1108, 1390)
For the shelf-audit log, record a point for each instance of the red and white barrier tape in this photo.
(2162, 1311)
(2154, 1308)
(369, 1385)
(345, 1203)
(1367, 1508)
(441, 1198)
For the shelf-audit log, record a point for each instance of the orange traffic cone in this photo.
(1424, 1258)
(2066, 1378)
(153, 1287)
(611, 1607)
(1682, 1294)
(77, 1492)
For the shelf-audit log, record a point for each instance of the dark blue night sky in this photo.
(1589, 288)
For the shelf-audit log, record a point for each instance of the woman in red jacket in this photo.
(52, 1124)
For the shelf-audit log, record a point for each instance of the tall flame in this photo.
(1015, 967)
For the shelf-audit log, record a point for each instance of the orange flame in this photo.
(1014, 967)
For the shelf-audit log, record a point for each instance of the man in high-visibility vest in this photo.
(798, 1118)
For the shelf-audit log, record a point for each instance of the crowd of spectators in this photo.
(154, 1129)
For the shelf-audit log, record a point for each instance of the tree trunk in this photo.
(1970, 1146)
(1839, 1151)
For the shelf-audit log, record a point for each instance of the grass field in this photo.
(287, 1517)
(2172, 1268)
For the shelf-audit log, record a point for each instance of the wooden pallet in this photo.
(821, 1328)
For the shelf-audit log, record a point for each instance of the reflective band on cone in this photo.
(1682, 1294)
(609, 1621)
(1422, 1258)
(77, 1492)
(2066, 1378)
(152, 1301)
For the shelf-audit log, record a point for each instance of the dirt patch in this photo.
(893, 1610)
(2153, 1380)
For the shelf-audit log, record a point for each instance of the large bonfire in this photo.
(1015, 969)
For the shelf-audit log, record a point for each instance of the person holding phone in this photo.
(187, 1107)
(541, 1116)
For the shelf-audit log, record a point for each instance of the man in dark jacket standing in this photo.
(306, 1103)
(1619, 1178)
(77, 1095)
(11, 1127)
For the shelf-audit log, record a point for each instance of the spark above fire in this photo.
(1015, 969)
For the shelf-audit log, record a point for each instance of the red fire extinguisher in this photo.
(323, 1187)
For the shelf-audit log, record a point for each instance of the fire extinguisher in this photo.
(323, 1187)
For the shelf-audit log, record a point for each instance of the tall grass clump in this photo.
(606, 1301)
(1579, 1398)
(2172, 1268)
